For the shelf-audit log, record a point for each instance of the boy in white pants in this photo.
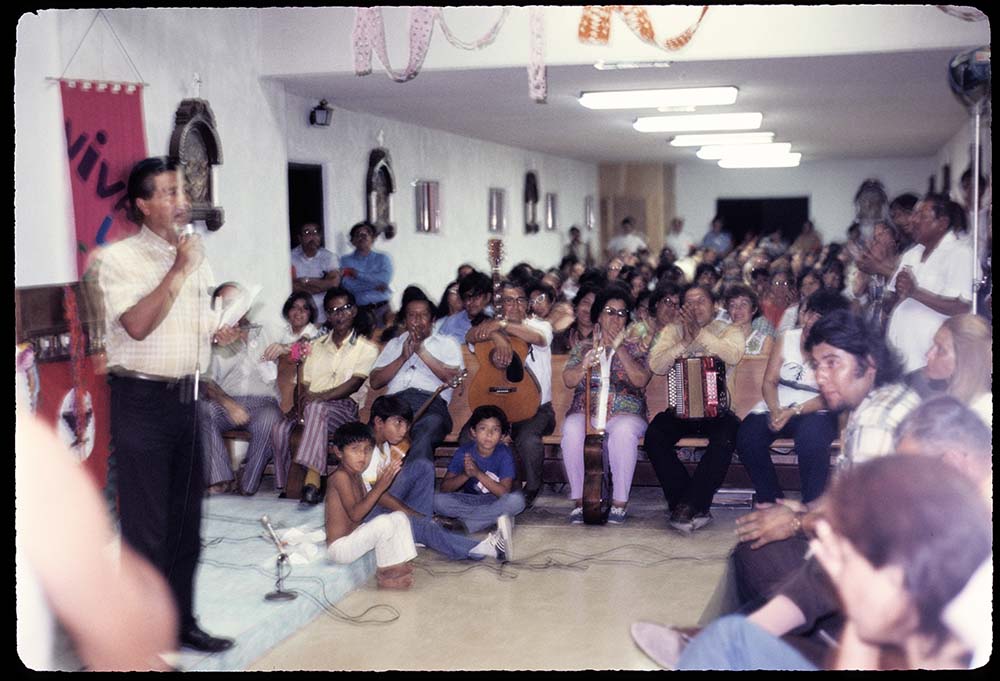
(348, 536)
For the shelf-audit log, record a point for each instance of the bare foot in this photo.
(402, 580)
(392, 571)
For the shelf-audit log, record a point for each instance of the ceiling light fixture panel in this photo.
(699, 122)
(722, 138)
(779, 161)
(652, 99)
(715, 152)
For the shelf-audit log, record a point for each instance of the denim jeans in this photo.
(733, 643)
(477, 511)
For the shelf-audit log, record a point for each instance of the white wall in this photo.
(464, 167)
(167, 47)
(958, 154)
(322, 35)
(830, 186)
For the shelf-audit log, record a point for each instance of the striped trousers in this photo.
(213, 420)
(320, 419)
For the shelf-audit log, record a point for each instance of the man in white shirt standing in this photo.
(933, 280)
(315, 269)
(412, 366)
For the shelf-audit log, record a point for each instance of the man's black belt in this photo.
(139, 376)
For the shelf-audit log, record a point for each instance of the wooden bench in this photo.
(745, 386)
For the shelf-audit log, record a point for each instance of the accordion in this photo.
(696, 387)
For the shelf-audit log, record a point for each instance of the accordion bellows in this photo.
(696, 387)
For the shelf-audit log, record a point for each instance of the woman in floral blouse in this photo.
(616, 374)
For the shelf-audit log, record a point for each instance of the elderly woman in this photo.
(615, 373)
(792, 407)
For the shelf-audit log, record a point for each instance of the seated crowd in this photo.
(870, 341)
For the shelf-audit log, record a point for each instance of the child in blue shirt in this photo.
(477, 486)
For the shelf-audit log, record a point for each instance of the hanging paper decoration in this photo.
(537, 86)
(368, 35)
(104, 139)
(595, 26)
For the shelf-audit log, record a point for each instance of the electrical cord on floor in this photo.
(549, 559)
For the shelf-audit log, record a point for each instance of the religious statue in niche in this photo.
(195, 146)
(531, 203)
(871, 205)
(379, 186)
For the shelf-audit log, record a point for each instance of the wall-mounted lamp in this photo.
(321, 115)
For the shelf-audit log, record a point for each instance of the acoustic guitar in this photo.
(513, 388)
(596, 471)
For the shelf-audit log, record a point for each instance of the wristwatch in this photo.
(798, 409)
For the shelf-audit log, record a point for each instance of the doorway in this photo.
(763, 216)
(305, 199)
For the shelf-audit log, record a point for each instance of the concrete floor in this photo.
(564, 603)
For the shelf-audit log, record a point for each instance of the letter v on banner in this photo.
(105, 137)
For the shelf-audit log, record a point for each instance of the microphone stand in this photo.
(279, 593)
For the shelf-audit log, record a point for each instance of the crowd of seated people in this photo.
(863, 327)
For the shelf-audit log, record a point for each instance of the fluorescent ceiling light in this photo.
(718, 151)
(722, 138)
(694, 122)
(786, 161)
(602, 65)
(652, 99)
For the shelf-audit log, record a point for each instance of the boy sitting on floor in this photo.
(348, 535)
(476, 490)
(412, 492)
(423, 530)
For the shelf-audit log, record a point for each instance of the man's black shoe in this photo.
(310, 495)
(194, 637)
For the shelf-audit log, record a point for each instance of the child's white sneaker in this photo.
(505, 538)
(617, 515)
(576, 515)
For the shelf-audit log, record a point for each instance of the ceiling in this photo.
(886, 105)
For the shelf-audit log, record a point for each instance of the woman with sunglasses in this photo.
(614, 371)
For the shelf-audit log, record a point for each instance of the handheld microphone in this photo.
(188, 229)
(266, 522)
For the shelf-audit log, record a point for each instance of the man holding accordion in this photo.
(698, 406)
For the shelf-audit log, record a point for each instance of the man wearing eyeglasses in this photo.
(315, 270)
(696, 333)
(242, 393)
(475, 290)
(515, 323)
(334, 389)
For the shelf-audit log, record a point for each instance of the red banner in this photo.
(90, 440)
(104, 139)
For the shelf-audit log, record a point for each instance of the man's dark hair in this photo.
(351, 432)
(387, 406)
(217, 291)
(489, 411)
(141, 183)
(703, 268)
(904, 201)
(826, 301)
(612, 291)
(661, 291)
(307, 299)
(760, 272)
(523, 273)
(338, 291)
(363, 225)
(595, 276)
(849, 332)
(475, 283)
(943, 422)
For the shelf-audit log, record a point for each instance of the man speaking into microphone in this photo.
(159, 329)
